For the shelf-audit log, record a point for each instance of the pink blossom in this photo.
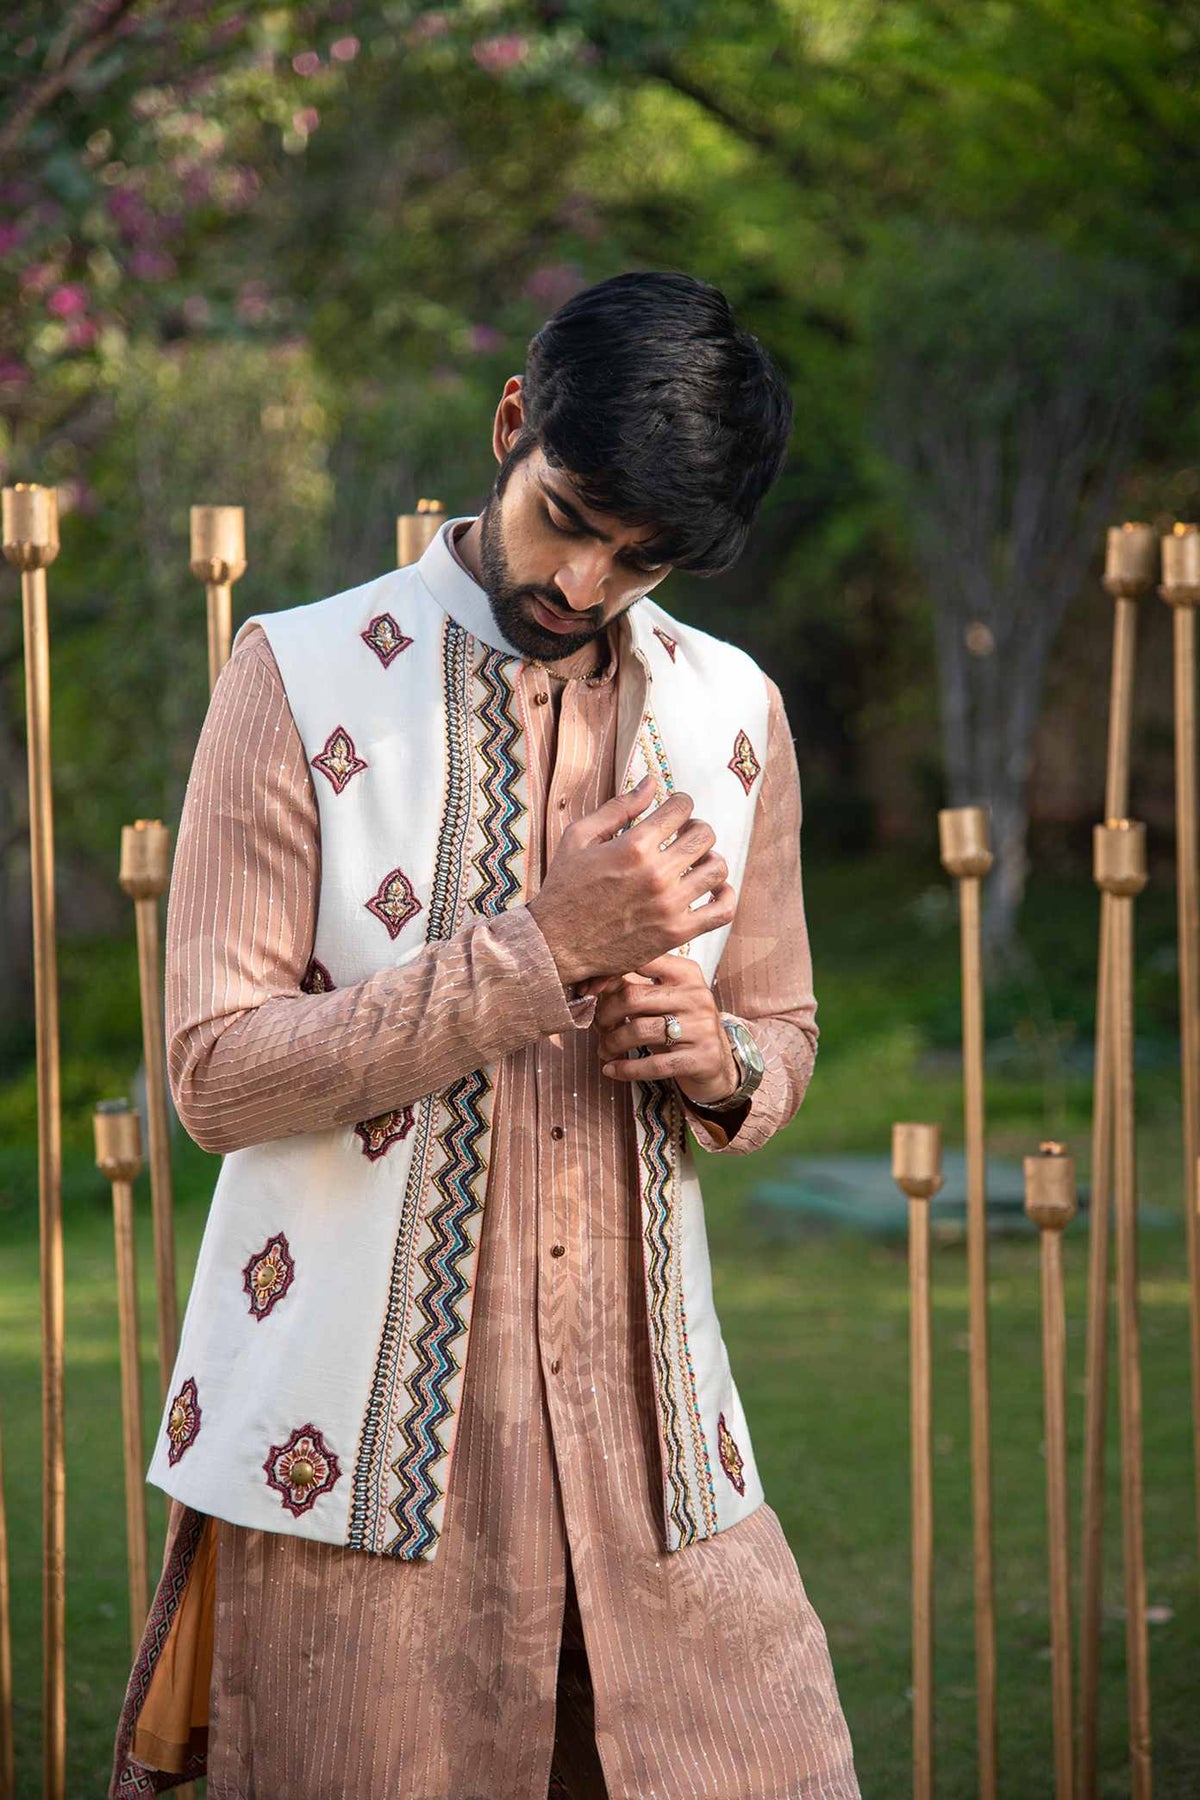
(344, 49)
(306, 119)
(483, 338)
(152, 265)
(81, 334)
(37, 277)
(306, 62)
(428, 25)
(253, 302)
(496, 54)
(10, 237)
(13, 373)
(68, 301)
(553, 283)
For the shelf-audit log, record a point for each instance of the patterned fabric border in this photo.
(439, 1302)
(499, 880)
(690, 1500)
(131, 1779)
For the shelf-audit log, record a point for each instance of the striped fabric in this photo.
(342, 1676)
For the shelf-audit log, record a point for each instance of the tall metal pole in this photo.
(1181, 589)
(144, 875)
(30, 520)
(8, 1776)
(1131, 568)
(917, 1171)
(1120, 866)
(965, 853)
(118, 1136)
(1050, 1203)
(218, 559)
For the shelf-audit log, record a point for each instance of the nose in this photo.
(581, 581)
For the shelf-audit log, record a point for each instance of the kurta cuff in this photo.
(551, 1007)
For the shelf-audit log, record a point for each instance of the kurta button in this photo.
(556, 1365)
(558, 1249)
(540, 699)
(556, 1131)
(562, 801)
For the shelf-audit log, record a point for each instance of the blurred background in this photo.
(286, 257)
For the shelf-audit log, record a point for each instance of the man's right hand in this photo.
(610, 903)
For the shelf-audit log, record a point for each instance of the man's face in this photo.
(555, 571)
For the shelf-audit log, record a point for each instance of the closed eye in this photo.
(630, 562)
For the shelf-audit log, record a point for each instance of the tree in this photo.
(1011, 378)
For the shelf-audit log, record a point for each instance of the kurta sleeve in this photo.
(764, 976)
(251, 1055)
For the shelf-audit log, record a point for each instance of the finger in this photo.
(709, 874)
(694, 841)
(662, 1067)
(643, 1033)
(663, 821)
(712, 914)
(615, 814)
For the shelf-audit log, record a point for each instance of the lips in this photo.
(553, 621)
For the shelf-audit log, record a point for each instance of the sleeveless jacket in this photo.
(324, 1346)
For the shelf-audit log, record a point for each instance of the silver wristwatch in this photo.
(748, 1057)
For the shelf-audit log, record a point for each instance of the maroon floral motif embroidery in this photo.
(743, 762)
(316, 978)
(268, 1275)
(394, 902)
(385, 1129)
(731, 1456)
(183, 1421)
(385, 638)
(339, 759)
(669, 644)
(301, 1470)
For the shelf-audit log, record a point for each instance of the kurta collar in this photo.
(459, 594)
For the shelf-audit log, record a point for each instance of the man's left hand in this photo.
(630, 1013)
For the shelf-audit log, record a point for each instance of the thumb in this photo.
(615, 814)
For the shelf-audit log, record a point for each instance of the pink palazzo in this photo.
(553, 1644)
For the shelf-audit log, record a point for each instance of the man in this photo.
(486, 895)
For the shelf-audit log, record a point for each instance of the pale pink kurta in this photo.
(343, 1676)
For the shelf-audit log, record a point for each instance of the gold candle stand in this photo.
(8, 1775)
(917, 1171)
(30, 524)
(1050, 1203)
(218, 559)
(1130, 571)
(1181, 590)
(965, 854)
(415, 531)
(118, 1138)
(144, 875)
(1120, 868)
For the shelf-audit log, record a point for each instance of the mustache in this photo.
(563, 612)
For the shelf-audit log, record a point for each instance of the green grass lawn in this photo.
(817, 1333)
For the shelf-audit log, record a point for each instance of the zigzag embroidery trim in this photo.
(434, 1344)
(653, 1110)
(498, 881)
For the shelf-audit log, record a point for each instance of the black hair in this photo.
(643, 390)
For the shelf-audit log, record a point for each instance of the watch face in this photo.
(748, 1048)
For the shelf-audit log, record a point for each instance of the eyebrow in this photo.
(577, 519)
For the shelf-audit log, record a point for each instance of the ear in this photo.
(510, 416)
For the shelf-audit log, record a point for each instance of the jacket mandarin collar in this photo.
(459, 594)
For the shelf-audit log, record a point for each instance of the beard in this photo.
(510, 600)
